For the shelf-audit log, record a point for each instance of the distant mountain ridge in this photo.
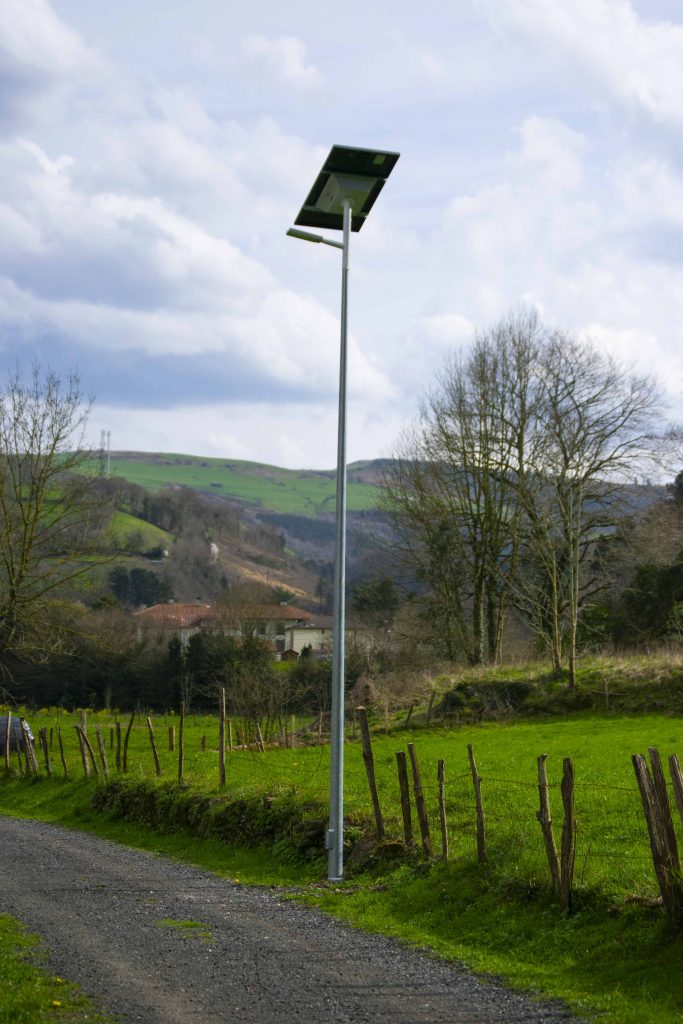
(306, 492)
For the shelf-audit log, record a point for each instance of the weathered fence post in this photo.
(568, 846)
(370, 769)
(181, 741)
(118, 746)
(125, 743)
(405, 796)
(481, 822)
(259, 738)
(546, 822)
(664, 856)
(150, 730)
(46, 750)
(420, 802)
(103, 752)
(663, 801)
(61, 753)
(441, 777)
(31, 760)
(677, 782)
(230, 735)
(89, 752)
(221, 741)
(8, 738)
(84, 753)
(171, 738)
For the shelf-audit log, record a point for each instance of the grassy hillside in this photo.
(123, 524)
(298, 492)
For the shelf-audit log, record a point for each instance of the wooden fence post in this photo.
(61, 753)
(259, 738)
(664, 858)
(441, 777)
(664, 808)
(370, 769)
(568, 846)
(150, 729)
(481, 822)
(103, 752)
(118, 746)
(8, 738)
(221, 741)
(84, 755)
(125, 743)
(230, 735)
(546, 822)
(677, 782)
(171, 738)
(31, 760)
(405, 796)
(420, 802)
(181, 741)
(46, 750)
(88, 750)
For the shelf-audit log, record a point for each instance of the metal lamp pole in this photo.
(335, 831)
(351, 179)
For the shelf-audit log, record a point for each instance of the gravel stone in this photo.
(98, 907)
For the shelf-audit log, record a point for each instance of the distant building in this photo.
(315, 635)
(266, 621)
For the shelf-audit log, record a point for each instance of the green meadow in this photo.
(613, 956)
(295, 492)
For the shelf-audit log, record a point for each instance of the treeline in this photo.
(108, 664)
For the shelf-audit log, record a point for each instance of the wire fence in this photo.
(612, 851)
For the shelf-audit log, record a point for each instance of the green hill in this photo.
(295, 492)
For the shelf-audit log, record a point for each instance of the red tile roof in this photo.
(191, 616)
(175, 616)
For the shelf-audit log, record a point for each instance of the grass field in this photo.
(122, 524)
(612, 848)
(297, 492)
(612, 955)
(30, 995)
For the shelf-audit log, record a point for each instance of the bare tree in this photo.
(451, 494)
(513, 473)
(594, 424)
(49, 509)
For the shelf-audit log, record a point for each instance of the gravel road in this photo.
(98, 908)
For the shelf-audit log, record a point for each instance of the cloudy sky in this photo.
(153, 154)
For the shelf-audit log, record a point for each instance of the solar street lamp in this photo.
(341, 198)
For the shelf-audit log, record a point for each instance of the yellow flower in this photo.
(56, 1002)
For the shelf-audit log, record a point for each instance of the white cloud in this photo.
(285, 57)
(554, 151)
(33, 36)
(638, 61)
